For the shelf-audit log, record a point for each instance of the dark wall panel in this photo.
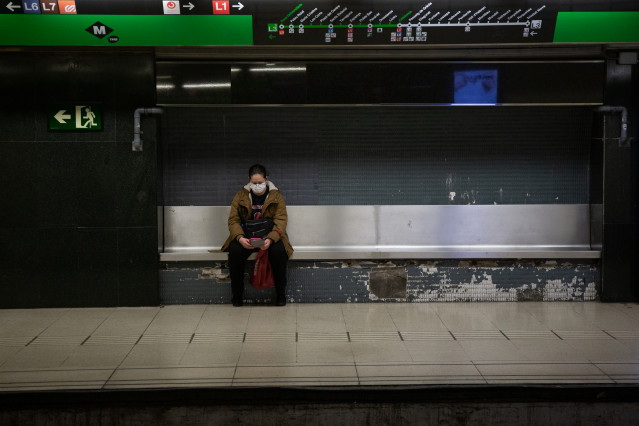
(621, 164)
(364, 82)
(381, 155)
(71, 199)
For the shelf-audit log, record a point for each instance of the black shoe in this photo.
(238, 303)
(281, 301)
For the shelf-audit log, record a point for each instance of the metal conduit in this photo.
(137, 140)
(623, 135)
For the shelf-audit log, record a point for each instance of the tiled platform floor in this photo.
(319, 345)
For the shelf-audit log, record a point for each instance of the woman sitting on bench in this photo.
(259, 199)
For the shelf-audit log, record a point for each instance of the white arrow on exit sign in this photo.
(61, 116)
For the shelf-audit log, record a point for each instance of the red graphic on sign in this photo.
(67, 7)
(171, 5)
(220, 7)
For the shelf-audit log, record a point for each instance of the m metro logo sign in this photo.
(99, 30)
(129, 30)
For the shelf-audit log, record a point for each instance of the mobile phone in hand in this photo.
(257, 242)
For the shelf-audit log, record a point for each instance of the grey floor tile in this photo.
(127, 321)
(45, 356)
(16, 341)
(53, 379)
(542, 373)
(318, 336)
(438, 350)
(78, 322)
(7, 352)
(155, 355)
(321, 318)
(478, 335)
(264, 353)
(227, 353)
(319, 309)
(415, 317)
(272, 319)
(569, 335)
(296, 375)
(375, 336)
(164, 384)
(380, 352)
(106, 356)
(267, 337)
(221, 337)
(370, 317)
(29, 322)
(283, 382)
(559, 315)
(603, 350)
(457, 318)
(58, 340)
(621, 372)
(491, 350)
(606, 317)
(159, 339)
(176, 319)
(630, 309)
(548, 350)
(448, 373)
(223, 318)
(174, 346)
(323, 325)
(53, 386)
(511, 316)
(319, 371)
(170, 377)
(324, 352)
(632, 344)
(111, 340)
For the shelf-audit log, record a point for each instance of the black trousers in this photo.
(237, 262)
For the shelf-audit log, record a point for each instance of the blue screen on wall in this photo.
(476, 87)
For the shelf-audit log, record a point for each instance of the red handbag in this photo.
(262, 275)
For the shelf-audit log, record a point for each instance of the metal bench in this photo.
(399, 232)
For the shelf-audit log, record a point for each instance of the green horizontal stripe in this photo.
(132, 30)
(597, 27)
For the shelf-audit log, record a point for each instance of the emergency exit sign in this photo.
(75, 117)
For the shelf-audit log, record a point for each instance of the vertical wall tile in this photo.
(57, 184)
(18, 191)
(58, 267)
(19, 278)
(65, 195)
(98, 267)
(618, 262)
(97, 173)
(138, 266)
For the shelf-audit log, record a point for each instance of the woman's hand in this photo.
(246, 243)
(267, 244)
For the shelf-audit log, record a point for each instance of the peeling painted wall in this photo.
(504, 281)
(428, 281)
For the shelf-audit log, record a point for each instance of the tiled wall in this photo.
(380, 155)
(78, 220)
(396, 281)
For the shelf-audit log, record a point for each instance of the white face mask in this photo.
(258, 188)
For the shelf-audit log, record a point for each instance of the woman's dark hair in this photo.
(257, 169)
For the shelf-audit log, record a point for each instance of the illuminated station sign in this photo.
(327, 23)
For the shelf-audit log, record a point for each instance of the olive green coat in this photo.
(274, 208)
